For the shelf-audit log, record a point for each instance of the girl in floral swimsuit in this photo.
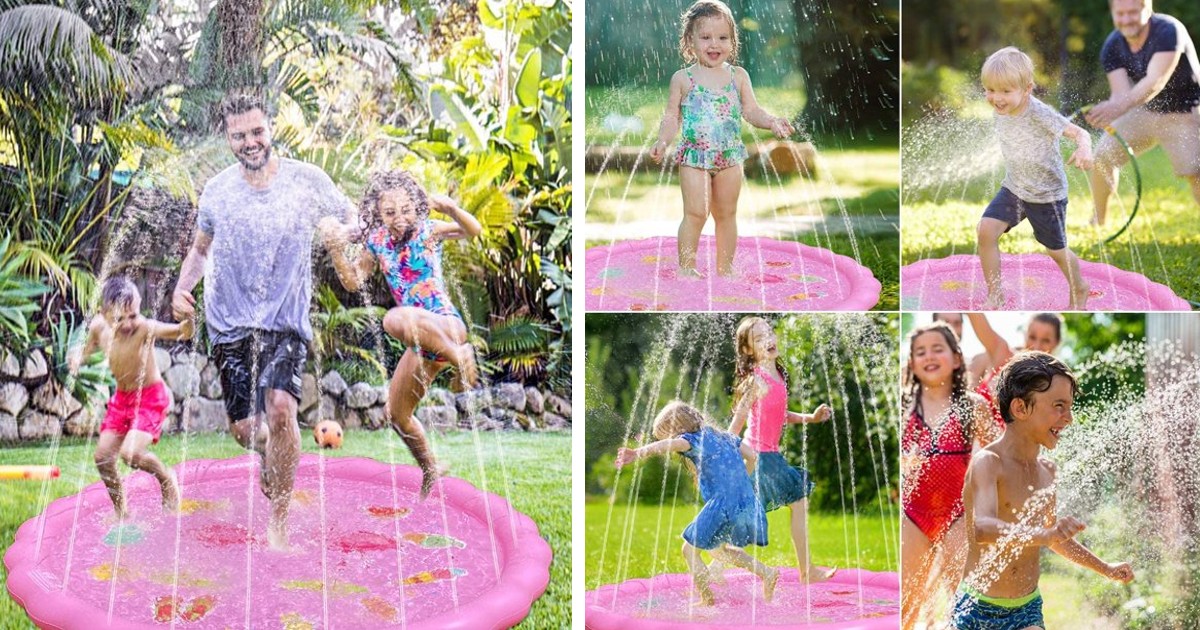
(944, 419)
(406, 245)
(709, 99)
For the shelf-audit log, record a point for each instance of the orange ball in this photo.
(328, 434)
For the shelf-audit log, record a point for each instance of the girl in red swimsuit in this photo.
(943, 419)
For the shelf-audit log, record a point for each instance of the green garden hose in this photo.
(1137, 172)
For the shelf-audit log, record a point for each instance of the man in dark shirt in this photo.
(1153, 75)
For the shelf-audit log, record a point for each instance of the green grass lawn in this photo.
(644, 540)
(1161, 243)
(537, 465)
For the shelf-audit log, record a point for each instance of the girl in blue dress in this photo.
(732, 516)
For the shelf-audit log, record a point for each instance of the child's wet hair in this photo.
(383, 181)
(1026, 374)
(744, 361)
(118, 291)
(705, 9)
(675, 419)
(1007, 68)
(913, 386)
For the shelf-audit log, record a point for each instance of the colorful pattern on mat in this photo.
(854, 598)
(365, 553)
(1032, 282)
(771, 275)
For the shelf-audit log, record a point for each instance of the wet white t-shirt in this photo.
(259, 273)
(1034, 170)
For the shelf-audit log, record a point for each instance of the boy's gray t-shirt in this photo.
(259, 272)
(1032, 158)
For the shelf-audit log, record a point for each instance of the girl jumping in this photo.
(731, 517)
(406, 245)
(708, 99)
(760, 407)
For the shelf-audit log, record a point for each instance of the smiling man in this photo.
(257, 222)
(1152, 71)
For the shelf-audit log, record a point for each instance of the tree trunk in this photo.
(849, 53)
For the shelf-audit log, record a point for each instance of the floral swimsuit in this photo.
(413, 269)
(712, 127)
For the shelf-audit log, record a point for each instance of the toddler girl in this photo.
(709, 98)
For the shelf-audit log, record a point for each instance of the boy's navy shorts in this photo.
(1049, 220)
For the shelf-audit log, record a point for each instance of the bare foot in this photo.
(689, 273)
(702, 583)
(994, 302)
(816, 574)
(1079, 297)
(277, 536)
(769, 581)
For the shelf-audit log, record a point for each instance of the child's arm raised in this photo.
(997, 348)
(669, 445)
(755, 114)
(352, 274)
(465, 224)
(1082, 157)
(820, 414)
(670, 119)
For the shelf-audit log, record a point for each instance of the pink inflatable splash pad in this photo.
(853, 599)
(366, 553)
(771, 275)
(1031, 282)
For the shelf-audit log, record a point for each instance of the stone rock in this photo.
(553, 421)
(204, 416)
(534, 400)
(86, 423)
(196, 359)
(525, 422)
(558, 405)
(351, 419)
(13, 398)
(361, 396)
(469, 402)
(55, 400)
(10, 366)
(438, 396)
(210, 382)
(381, 395)
(309, 394)
(162, 358)
(35, 367)
(326, 409)
(8, 428)
(333, 384)
(376, 418)
(437, 416)
(35, 425)
(509, 395)
(184, 381)
(506, 417)
(171, 422)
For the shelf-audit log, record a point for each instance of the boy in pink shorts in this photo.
(136, 410)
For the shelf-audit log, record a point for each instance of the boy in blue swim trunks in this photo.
(406, 245)
(1035, 181)
(1009, 498)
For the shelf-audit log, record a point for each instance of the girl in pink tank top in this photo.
(760, 407)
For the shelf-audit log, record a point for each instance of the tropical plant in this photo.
(17, 305)
(518, 346)
(92, 380)
(338, 329)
